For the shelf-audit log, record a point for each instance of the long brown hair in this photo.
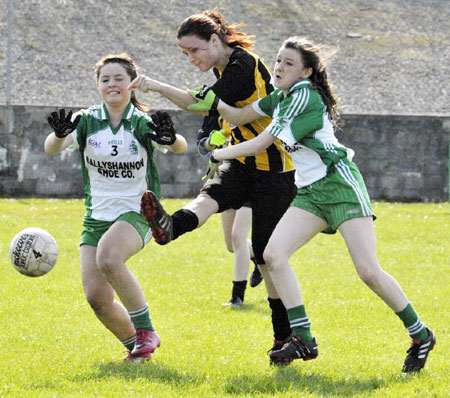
(314, 57)
(209, 22)
(131, 69)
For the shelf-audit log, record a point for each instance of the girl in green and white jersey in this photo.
(331, 193)
(116, 141)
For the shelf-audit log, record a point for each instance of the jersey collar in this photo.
(299, 85)
(129, 110)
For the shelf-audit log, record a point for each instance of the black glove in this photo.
(61, 124)
(164, 132)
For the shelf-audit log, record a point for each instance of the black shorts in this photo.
(269, 194)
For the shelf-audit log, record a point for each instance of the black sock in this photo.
(239, 289)
(183, 221)
(280, 320)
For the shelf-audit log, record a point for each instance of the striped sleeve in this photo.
(301, 112)
(266, 106)
(256, 108)
(290, 107)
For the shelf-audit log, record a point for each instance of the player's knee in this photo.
(273, 258)
(96, 302)
(369, 275)
(107, 262)
(203, 206)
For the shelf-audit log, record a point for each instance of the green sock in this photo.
(300, 323)
(129, 343)
(411, 320)
(141, 318)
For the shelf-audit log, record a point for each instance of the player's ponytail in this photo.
(314, 57)
(209, 22)
(132, 71)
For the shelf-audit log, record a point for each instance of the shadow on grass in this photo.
(257, 306)
(291, 379)
(278, 380)
(246, 308)
(150, 370)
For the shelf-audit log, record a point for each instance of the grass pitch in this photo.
(53, 345)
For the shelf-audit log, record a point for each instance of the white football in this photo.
(33, 252)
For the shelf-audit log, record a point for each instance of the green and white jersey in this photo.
(301, 122)
(117, 164)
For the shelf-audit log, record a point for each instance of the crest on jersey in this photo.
(282, 122)
(133, 148)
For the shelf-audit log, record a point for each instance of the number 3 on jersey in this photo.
(114, 151)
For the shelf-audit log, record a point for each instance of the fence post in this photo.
(447, 129)
(9, 68)
(237, 11)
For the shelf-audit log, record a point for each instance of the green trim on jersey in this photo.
(95, 120)
(308, 103)
(301, 122)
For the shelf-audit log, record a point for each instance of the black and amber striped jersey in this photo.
(244, 80)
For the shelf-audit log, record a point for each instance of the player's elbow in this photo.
(49, 149)
(180, 145)
(50, 146)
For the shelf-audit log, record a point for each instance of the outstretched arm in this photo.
(237, 116)
(179, 146)
(54, 145)
(62, 126)
(248, 148)
(179, 97)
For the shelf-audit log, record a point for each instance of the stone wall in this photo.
(402, 158)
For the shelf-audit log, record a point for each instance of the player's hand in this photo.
(144, 83)
(61, 124)
(213, 167)
(164, 132)
(217, 138)
(206, 99)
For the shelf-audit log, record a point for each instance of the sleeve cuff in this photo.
(201, 149)
(256, 108)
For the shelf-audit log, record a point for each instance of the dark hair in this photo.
(131, 69)
(209, 22)
(314, 57)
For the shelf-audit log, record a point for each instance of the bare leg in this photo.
(241, 228)
(270, 287)
(203, 206)
(236, 226)
(100, 295)
(293, 231)
(103, 272)
(228, 217)
(359, 236)
(116, 246)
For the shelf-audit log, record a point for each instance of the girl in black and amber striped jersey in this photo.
(265, 181)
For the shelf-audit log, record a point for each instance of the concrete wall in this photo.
(402, 158)
(25, 169)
